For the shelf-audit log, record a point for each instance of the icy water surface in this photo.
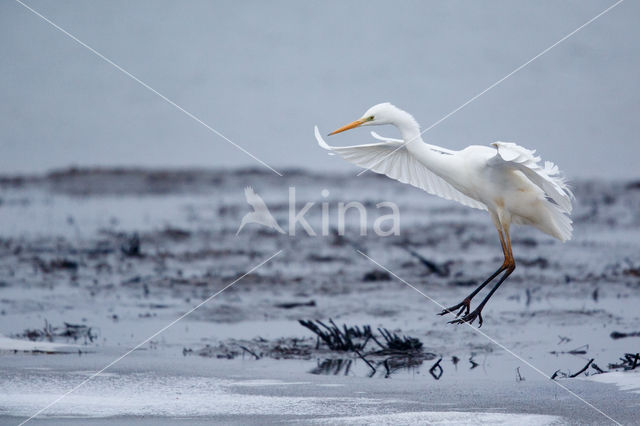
(124, 253)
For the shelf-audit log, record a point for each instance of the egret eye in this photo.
(371, 118)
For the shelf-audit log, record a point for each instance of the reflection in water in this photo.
(436, 370)
(386, 366)
(333, 367)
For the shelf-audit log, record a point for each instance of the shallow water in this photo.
(562, 297)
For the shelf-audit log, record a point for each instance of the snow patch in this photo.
(449, 418)
(9, 344)
(626, 381)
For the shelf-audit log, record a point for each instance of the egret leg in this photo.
(465, 305)
(477, 312)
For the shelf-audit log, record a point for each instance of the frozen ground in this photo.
(126, 252)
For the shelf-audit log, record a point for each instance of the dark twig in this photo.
(249, 350)
(72, 331)
(386, 366)
(404, 343)
(629, 362)
(378, 342)
(634, 364)
(582, 370)
(442, 271)
(621, 335)
(473, 363)
(292, 305)
(580, 350)
(436, 370)
(400, 351)
(455, 360)
(365, 360)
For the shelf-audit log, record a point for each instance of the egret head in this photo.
(384, 113)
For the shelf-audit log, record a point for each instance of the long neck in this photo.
(409, 129)
(429, 155)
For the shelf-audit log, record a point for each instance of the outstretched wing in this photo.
(391, 158)
(255, 200)
(386, 139)
(545, 175)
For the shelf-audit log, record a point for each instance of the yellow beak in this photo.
(349, 126)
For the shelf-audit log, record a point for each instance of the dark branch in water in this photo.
(595, 367)
(295, 304)
(354, 338)
(249, 350)
(440, 270)
(386, 366)
(629, 362)
(436, 370)
(397, 343)
(333, 366)
(620, 335)
(473, 363)
(582, 370)
(455, 360)
(343, 340)
(69, 331)
(367, 362)
(558, 373)
(580, 350)
(400, 351)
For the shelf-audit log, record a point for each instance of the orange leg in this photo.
(508, 265)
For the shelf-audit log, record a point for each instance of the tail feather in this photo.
(546, 176)
(562, 224)
(557, 224)
(555, 195)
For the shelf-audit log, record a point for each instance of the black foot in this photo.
(461, 307)
(470, 317)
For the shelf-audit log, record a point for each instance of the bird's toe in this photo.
(468, 318)
(463, 308)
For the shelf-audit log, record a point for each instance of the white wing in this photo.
(545, 175)
(391, 158)
(255, 200)
(385, 139)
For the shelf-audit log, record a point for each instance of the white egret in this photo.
(507, 180)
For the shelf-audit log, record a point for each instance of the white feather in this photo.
(545, 175)
(391, 158)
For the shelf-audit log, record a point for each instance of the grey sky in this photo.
(263, 73)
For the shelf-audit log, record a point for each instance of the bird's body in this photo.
(505, 179)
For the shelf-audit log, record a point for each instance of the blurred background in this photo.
(95, 261)
(264, 73)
